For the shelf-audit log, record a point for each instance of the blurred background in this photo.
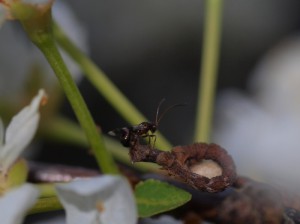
(152, 50)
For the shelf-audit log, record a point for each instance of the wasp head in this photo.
(144, 127)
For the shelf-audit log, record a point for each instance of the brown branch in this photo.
(181, 159)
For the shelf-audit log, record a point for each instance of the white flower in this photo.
(100, 200)
(276, 81)
(15, 203)
(262, 131)
(19, 132)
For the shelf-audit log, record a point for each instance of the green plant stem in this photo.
(48, 200)
(109, 91)
(209, 66)
(39, 31)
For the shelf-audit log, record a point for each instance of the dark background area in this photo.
(152, 50)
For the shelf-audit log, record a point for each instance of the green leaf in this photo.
(153, 197)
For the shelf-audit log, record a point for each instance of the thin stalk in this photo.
(102, 83)
(48, 200)
(209, 67)
(40, 33)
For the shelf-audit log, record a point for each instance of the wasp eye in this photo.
(124, 133)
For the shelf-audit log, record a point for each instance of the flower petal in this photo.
(23, 116)
(15, 204)
(20, 132)
(105, 199)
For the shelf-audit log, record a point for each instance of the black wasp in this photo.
(129, 136)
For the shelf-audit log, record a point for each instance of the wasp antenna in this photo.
(168, 109)
(157, 111)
